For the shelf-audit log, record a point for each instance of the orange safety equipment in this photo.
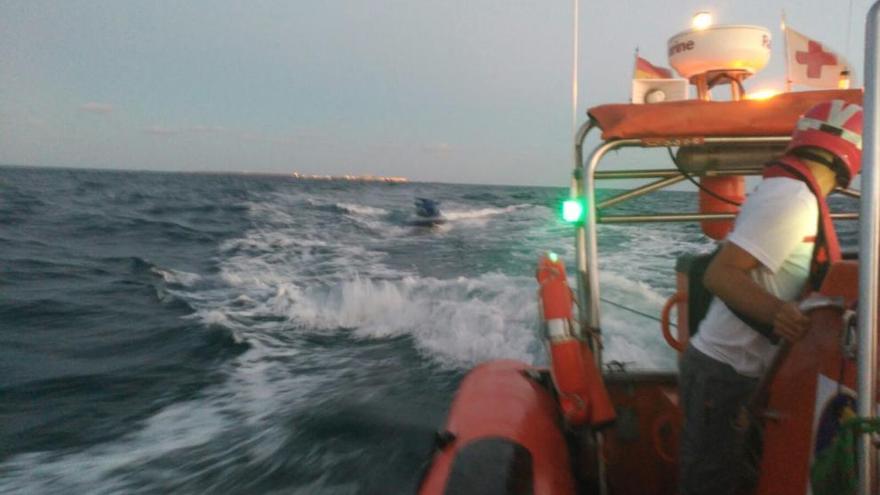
(834, 126)
(732, 189)
(583, 397)
(499, 410)
(556, 299)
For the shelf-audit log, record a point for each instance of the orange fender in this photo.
(498, 402)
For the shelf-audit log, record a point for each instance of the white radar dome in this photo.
(719, 48)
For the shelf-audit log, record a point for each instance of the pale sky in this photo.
(472, 91)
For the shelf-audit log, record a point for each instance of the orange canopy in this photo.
(695, 118)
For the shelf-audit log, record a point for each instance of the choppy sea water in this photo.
(259, 334)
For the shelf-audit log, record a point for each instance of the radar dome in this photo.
(719, 49)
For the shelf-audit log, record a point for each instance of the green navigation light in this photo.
(553, 256)
(573, 210)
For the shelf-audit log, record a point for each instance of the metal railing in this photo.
(584, 185)
(869, 254)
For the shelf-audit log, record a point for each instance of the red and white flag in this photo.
(812, 64)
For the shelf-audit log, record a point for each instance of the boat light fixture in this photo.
(701, 20)
(573, 210)
(762, 94)
(843, 82)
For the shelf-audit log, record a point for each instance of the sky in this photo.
(464, 91)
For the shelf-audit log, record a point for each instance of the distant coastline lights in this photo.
(354, 178)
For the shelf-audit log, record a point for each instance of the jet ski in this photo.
(427, 212)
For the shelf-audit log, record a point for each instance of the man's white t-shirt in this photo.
(772, 226)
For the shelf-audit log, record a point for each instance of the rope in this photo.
(621, 306)
(627, 308)
(701, 187)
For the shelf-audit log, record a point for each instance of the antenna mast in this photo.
(574, 70)
(785, 49)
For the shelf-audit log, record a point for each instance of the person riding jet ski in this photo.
(428, 212)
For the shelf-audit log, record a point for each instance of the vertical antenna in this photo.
(635, 63)
(848, 26)
(784, 26)
(574, 70)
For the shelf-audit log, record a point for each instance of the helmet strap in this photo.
(836, 166)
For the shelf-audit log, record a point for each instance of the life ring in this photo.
(657, 437)
(583, 398)
(664, 321)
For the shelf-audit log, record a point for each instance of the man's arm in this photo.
(728, 278)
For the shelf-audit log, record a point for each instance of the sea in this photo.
(242, 333)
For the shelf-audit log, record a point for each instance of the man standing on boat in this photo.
(782, 240)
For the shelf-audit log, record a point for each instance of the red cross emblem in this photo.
(814, 58)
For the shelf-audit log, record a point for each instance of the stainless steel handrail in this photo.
(584, 182)
(656, 173)
(584, 185)
(577, 185)
(640, 191)
(869, 253)
(690, 217)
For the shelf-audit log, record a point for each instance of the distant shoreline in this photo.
(247, 173)
(295, 175)
(355, 178)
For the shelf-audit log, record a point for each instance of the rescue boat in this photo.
(583, 425)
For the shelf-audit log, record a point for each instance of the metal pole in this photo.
(640, 191)
(574, 64)
(846, 191)
(869, 252)
(784, 25)
(691, 217)
(649, 173)
(591, 244)
(577, 185)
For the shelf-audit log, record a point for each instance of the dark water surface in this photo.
(257, 334)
